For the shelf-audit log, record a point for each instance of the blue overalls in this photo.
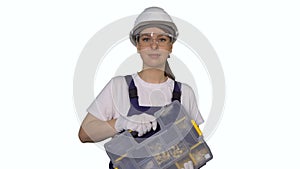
(135, 108)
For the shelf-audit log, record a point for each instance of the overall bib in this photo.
(135, 108)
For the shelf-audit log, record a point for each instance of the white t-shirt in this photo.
(113, 100)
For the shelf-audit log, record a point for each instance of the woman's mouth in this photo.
(154, 55)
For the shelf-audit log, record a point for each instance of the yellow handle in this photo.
(196, 127)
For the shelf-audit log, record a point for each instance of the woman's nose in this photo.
(154, 44)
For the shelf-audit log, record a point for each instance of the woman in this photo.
(153, 35)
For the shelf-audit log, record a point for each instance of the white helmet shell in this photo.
(153, 17)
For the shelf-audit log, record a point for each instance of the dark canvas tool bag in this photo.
(176, 140)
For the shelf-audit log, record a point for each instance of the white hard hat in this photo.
(153, 17)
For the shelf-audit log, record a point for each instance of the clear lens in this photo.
(161, 39)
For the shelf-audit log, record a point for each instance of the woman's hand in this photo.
(141, 123)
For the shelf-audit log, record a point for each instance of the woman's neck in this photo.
(153, 75)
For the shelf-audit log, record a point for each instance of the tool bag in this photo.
(176, 141)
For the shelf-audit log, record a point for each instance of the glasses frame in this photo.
(137, 38)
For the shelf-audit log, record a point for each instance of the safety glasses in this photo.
(161, 39)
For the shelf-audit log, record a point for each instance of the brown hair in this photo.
(168, 71)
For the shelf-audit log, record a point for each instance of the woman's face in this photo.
(154, 46)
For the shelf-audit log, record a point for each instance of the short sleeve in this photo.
(111, 101)
(190, 103)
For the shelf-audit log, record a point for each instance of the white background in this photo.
(256, 41)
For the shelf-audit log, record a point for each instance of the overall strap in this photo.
(133, 95)
(176, 95)
(131, 87)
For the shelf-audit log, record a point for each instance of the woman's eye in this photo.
(162, 39)
(145, 39)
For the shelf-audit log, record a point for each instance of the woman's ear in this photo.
(171, 47)
(137, 48)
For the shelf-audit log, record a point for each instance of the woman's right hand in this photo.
(141, 123)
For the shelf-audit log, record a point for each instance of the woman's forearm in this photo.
(95, 130)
